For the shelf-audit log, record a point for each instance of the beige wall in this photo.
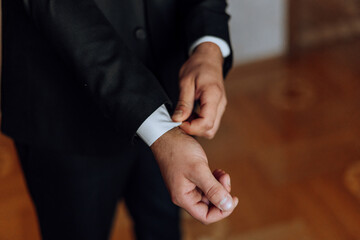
(258, 28)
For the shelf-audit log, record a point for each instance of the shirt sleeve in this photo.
(223, 45)
(158, 123)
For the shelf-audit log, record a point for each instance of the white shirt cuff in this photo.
(158, 123)
(223, 45)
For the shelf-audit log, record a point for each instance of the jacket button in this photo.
(140, 33)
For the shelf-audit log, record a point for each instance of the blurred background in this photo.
(289, 138)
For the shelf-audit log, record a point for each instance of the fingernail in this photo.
(226, 204)
(228, 183)
(178, 113)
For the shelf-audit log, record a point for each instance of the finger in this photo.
(221, 109)
(223, 178)
(212, 189)
(196, 194)
(209, 213)
(210, 100)
(205, 200)
(214, 214)
(185, 104)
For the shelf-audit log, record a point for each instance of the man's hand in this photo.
(201, 78)
(191, 184)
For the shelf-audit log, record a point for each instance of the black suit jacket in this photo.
(82, 75)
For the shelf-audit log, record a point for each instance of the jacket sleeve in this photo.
(120, 84)
(207, 18)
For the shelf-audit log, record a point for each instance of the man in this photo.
(83, 81)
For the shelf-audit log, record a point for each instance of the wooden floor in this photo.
(290, 140)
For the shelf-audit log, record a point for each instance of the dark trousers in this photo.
(75, 196)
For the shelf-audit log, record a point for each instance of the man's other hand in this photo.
(191, 184)
(201, 78)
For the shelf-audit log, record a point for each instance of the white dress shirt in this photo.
(159, 122)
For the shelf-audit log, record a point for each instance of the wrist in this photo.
(211, 50)
(166, 138)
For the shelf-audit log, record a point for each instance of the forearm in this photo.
(118, 82)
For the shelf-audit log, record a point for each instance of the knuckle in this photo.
(225, 102)
(176, 200)
(183, 103)
(205, 222)
(183, 71)
(224, 108)
(217, 89)
(208, 125)
(177, 197)
(191, 130)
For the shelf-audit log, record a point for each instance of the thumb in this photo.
(186, 101)
(214, 190)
